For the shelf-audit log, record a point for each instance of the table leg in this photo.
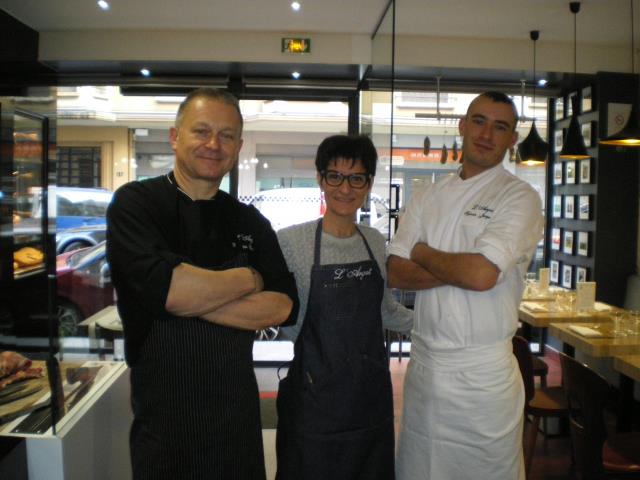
(625, 407)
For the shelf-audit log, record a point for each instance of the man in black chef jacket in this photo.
(196, 273)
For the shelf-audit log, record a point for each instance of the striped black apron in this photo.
(335, 407)
(194, 394)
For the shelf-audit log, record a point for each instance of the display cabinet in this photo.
(27, 239)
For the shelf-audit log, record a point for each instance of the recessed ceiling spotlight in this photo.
(145, 72)
(543, 82)
(296, 75)
(295, 6)
(103, 4)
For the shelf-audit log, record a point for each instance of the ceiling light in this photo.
(296, 75)
(145, 72)
(103, 4)
(265, 165)
(295, 6)
(543, 82)
(573, 147)
(533, 150)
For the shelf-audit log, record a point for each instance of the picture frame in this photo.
(585, 170)
(567, 274)
(555, 239)
(582, 274)
(559, 104)
(569, 210)
(583, 244)
(570, 172)
(557, 173)
(554, 271)
(567, 243)
(587, 99)
(556, 207)
(559, 138)
(587, 130)
(584, 207)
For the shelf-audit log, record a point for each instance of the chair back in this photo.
(522, 351)
(588, 394)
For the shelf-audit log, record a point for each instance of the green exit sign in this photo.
(296, 45)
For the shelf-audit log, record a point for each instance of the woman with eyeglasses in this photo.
(335, 407)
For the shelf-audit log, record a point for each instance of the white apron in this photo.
(463, 415)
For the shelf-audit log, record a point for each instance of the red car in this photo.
(84, 285)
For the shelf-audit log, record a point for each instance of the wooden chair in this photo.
(543, 402)
(597, 453)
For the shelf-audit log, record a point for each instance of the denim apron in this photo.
(335, 407)
(195, 395)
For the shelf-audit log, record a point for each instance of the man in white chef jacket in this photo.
(464, 244)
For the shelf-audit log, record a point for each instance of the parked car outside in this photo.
(83, 285)
(74, 206)
(80, 237)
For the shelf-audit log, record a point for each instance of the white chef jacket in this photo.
(463, 394)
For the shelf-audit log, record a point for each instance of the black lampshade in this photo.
(445, 154)
(629, 136)
(533, 150)
(573, 147)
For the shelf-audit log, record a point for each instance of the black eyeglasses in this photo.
(335, 179)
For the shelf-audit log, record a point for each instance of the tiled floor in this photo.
(552, 459)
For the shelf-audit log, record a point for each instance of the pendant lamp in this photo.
(444, 154)
(629, 136)
(573, 147)
(426, 146)
(533, 150)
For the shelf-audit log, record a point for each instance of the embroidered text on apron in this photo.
(208, 416)
(335, 407)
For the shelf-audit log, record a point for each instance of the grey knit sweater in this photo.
(297, 244)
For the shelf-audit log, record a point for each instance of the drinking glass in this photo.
(618, 319)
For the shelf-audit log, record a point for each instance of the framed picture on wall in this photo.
(558, 139)
(555, 239)
(554, 271)
(567, 244)
(586, 134)
(584, 207)
(581, 274)
(556, 206)
(557, 174)
(585, 170)
(587, 99)
(570, 172)
(559, 103)
(567, 273)
(583, 244)
(569, 211)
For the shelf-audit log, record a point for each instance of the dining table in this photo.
(539, 314)
(597, 339)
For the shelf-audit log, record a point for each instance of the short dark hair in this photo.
(354, 148)
(498, 97)
(210, 94)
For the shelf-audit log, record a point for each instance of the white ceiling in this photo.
(605, 22)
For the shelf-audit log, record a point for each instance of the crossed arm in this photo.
(428, 268)
(233, 297)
